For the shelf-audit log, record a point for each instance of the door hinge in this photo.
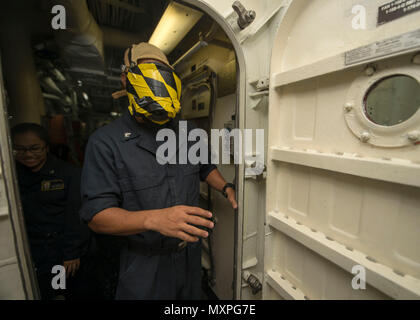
(253, 282)
(255, 170)
(263, 84)
(261, 91)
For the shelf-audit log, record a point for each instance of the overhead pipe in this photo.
(195, 48)
(23, 88)
(82, 43)
(203, 42)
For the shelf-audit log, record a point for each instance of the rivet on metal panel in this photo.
(313, 230)
(298, 223)
(365, 137)
(414, 136)
(350, 249)
(416, 59)
(283, 278)
(339, 153)
(371, 259)
(386, 159)
(293, 287)
(306, 298)
(286, 217)
(349, 106)
(370, 71)
(329, 238)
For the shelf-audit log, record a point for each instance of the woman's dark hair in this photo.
(40, 131)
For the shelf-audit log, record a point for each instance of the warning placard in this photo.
(397, 9)
(401, 43)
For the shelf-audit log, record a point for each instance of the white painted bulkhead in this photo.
(336, 198)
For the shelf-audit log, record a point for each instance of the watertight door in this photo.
(16, 272)
(343, 179)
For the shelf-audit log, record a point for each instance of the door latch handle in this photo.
(245, 17)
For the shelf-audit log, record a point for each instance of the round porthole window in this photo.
(392, 100)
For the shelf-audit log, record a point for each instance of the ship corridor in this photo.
(64, 80)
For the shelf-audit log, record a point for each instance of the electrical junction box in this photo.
(195, 102)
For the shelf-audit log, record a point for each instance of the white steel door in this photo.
(343, 179)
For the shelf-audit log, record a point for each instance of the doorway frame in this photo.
(240, 123)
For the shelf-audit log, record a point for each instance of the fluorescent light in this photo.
(176, 22)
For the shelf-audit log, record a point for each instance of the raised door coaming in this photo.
(342, 191)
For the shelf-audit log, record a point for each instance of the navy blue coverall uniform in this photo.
(121, 170)
(51, 202)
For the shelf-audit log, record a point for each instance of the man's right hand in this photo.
(178, 221)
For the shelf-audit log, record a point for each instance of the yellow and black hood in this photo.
(154, 92)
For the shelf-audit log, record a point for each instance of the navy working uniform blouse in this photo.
(121, 170)
(51, 202)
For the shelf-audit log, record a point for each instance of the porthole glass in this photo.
(392, 100)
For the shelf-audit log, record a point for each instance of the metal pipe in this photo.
(26, 101)
(83, 46)
(189, 53)
(204, 42)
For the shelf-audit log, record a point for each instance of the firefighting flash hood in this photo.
(153, 89)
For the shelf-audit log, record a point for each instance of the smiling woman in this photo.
(30, 145)
(49, 190)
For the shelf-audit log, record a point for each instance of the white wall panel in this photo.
(313, 275)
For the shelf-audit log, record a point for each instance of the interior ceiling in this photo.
(139, 16)
(132, 16)
(129, 15)
(135, 17)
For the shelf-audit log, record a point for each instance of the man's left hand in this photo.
(231, 196)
